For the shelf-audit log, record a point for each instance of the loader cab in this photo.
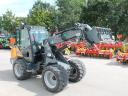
(30, 39)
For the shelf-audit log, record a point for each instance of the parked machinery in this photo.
(102, 43)
(106, 41)
(4, 42)
(122, 55)
(95, 41)
(36, 54)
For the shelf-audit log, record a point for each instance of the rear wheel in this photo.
(55, 78)
(19, 70)
(77, 70)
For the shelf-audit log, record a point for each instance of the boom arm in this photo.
(64, 36)
(88, 33)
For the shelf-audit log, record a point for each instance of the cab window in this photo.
(25, 40)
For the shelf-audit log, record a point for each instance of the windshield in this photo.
(39, 35)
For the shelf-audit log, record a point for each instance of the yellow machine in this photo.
(124, 47)
(122, 55)
(15, 53)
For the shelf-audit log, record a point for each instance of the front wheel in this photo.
(77, 70)
(55, 78)
(19, 70)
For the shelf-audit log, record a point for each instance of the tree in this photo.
(0, 22)
(42, 14)
(9, 21)
(69, 12)
(108, 13)
(96, 14)
(123, 21)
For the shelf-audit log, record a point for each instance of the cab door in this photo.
(25, 45)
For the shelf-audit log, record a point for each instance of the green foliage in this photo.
(69, 12)
(107, 13)
(123, 21)
(42, 14)
(97, 13)
(8, 21)
(0, 22)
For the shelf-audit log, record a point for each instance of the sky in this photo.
(19, 7)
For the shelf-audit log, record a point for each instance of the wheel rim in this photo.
(50, 79)
(18, 69)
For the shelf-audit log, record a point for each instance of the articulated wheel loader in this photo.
(36, 54)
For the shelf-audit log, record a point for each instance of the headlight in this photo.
(49, 54)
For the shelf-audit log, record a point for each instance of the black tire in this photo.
(39, 72)
(61, 77)
(124, 63)
(24, 74)
(78, 71)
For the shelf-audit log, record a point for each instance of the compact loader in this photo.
(36, 54)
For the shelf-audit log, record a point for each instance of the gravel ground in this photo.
(104, 78)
